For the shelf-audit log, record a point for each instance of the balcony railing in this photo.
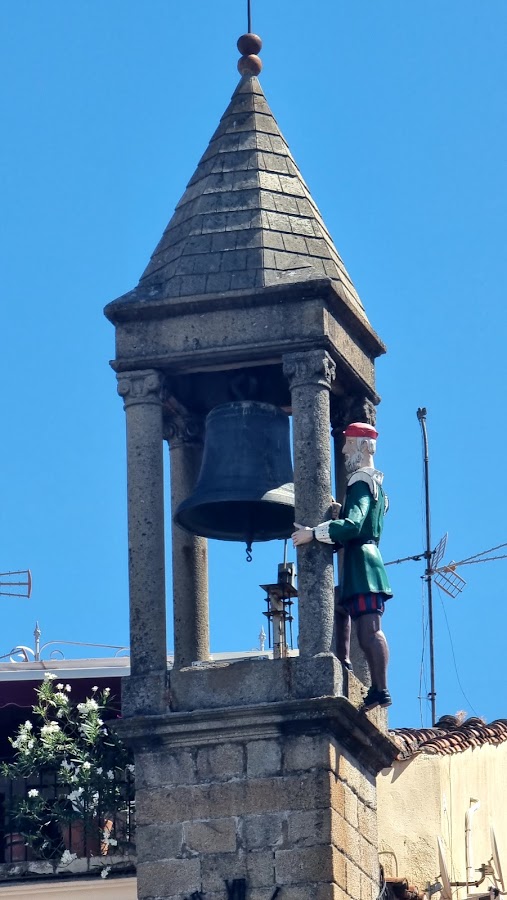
(79, 841)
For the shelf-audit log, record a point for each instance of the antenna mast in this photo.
(428, 574)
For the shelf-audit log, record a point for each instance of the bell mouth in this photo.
(267, 518)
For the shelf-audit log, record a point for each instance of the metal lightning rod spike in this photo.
(249, 16)
(428, 575)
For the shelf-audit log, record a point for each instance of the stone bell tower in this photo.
(254, 779)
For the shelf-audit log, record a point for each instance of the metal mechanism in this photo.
(245, 489)
(12, 581)
(279, 601)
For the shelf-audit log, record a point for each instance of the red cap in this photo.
(361, 429)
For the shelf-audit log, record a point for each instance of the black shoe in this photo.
(347, 666)
(374, 698)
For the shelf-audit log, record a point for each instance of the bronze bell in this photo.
(245, 489)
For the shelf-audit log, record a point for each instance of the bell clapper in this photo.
(249, 551)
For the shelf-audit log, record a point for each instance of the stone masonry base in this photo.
(264, 802)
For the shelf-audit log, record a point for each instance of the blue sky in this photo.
(395, 114)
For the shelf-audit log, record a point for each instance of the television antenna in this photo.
(444, 576)
(446, 889)
(21, 578)
(496, 859)
(445, 885)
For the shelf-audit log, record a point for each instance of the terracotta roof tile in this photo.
(449, 735)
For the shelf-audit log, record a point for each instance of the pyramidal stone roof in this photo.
(247, 219)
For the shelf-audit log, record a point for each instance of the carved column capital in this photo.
(309, 367)
(140, 386)
(182, 429)
(351, 408)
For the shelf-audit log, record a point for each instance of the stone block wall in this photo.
(287, 812)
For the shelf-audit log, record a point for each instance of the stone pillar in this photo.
(310, 375)
(189, 552)
(351, 408)
(145, 689)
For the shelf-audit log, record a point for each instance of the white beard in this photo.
(353, 462)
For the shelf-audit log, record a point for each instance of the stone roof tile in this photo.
(247, 218)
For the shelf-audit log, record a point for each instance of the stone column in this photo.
(189, 552)
(148, 652)
(310, 375)
(351, 408)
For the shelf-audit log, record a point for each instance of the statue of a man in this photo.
(364, 586)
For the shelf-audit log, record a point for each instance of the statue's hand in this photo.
(303, 535)
(334, 510)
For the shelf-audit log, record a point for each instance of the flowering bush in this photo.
(76, 769)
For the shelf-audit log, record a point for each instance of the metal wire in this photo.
(452, 652)
(482, 553)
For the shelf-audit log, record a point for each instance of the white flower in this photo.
(88, 705)
(61, 697)
(68, 688)
(75, 795)
(99, 770)
(74, 798)
(33, 793)
(49, 676)
(110, 774)
(105, 872)
(87, 765)
(131, 768)
(67, 858)
(107, 691)
(50, 728)
(95, 687)
(28, 725)
(111, 842)
(59, 686)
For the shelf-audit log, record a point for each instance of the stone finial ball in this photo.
(249, 65)
(249, 43)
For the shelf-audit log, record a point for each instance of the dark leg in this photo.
(343, 626)
(373, 643)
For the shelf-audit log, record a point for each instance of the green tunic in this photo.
(363, 519)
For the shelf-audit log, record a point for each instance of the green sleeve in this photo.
(357, 504)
